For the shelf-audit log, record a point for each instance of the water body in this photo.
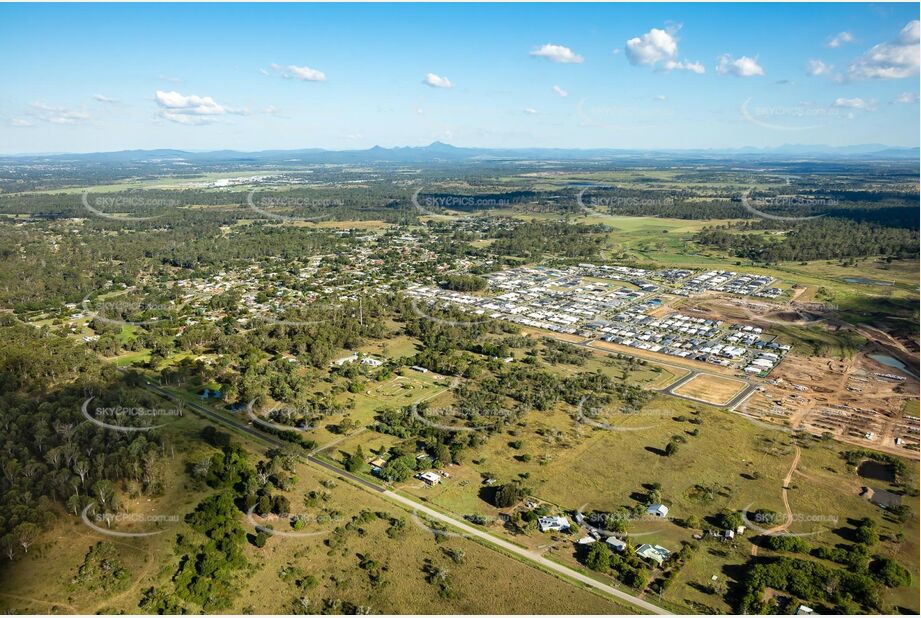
(889, 361)
(866, 281)
(877, 471)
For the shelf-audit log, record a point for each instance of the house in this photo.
(729, 535)
(430, 478)
(586, 540)
(419, 369)
(802, 610)
(556, 523)
(656, 553)
(616, 544)
(377, 465)
(657, 510)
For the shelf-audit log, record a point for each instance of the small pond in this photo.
(888, 361)
(866, 281)
(877, 471)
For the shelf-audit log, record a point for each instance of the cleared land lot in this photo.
(711, 389)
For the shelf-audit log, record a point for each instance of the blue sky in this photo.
(80, 78)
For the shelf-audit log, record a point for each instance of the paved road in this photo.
(394, 497)
(527, 554)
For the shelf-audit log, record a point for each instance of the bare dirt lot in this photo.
(850, 399)
(711, 389)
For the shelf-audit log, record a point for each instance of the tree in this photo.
(26, 533)
(509, 494)
(671, 448)
(356, 461)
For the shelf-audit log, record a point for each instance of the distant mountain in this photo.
(441, 152)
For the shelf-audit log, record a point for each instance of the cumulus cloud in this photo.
(907, 97)
(817, 67)
(660, 97)
(58, 115)
(530, 110)
(892, 60)
(190, 109)
(738, 67)
(557, 53)
(654, 46)
(840, 39)
(659, 46)
(855, 103)
(560, 91)
(437, 81)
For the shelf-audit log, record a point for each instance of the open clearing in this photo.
(711, 389)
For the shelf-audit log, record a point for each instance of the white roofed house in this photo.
(657, 510)
(656, 553)
(553, 523)
(430, 478)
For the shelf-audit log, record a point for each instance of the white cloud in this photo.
(739, 67)
(840, 39)
(654, 46)
(892, 60)
(557, 53)
(58, 115)
(817, 67)
(659, 46)
(436, 81)
(560, 91)
(191, 109)
(292, 71)
(684, 65)
(855, 103)
(907, 97)
(530, 110)
(103, 98)
(660, 97)
(305, 74)
(21, 122)
(272, 110)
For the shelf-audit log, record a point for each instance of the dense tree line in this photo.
(815, 239)
(53, 457)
